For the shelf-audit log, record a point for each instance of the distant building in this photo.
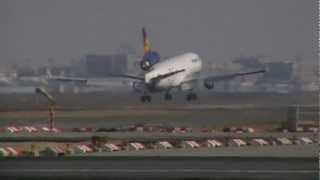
(120, 63)
(278, 72)
(103, 65)
(98, 66)
(303, 117)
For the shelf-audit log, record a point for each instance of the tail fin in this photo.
(149, 57)
(146, 43)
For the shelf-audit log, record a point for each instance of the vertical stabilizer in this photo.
(149, 57)
(146, 42)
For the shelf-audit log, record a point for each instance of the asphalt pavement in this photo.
(160, 167)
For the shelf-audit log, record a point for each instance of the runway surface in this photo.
(161, 167)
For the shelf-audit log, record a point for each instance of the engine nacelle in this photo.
(149, 59)
(138, 86)
(209, 84)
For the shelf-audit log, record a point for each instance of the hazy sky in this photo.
(215, 29)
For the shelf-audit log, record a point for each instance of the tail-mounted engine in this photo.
(209, 84)
(149, 59)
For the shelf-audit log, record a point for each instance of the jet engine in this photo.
(209, 84)
(138, 86)
(149, 59)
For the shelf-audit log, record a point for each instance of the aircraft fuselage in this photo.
(178, 69)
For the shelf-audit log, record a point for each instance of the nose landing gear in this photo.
(145, 98)
(191, 96)
(167, 97)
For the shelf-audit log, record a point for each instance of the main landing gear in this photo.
(167, 97)
(145, 98)
(191, 96)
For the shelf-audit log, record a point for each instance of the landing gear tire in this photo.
(167, 97)
(191, 97)
(145, 99)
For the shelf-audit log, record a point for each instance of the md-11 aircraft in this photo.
(180, 72)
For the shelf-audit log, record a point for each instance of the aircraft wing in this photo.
(69, 79)
(157, 78)
(231, 76)
(65, 78)
(128, 76)
(84, 80)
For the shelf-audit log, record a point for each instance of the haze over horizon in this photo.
(217, 30)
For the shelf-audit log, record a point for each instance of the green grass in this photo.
(193, 118)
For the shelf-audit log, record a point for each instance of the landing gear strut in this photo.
(191, 96)
(167, 97)
(145, 98)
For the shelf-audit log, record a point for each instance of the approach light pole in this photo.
(51, 104)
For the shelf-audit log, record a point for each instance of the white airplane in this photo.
(181, 72)
(5, 80)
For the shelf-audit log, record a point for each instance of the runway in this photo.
(160, 167)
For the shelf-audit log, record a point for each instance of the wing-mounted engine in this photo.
(149, 59)
(209, 84)
(139, 86)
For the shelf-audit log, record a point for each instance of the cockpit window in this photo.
(194, 60)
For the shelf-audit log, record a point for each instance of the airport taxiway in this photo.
(161, 167)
